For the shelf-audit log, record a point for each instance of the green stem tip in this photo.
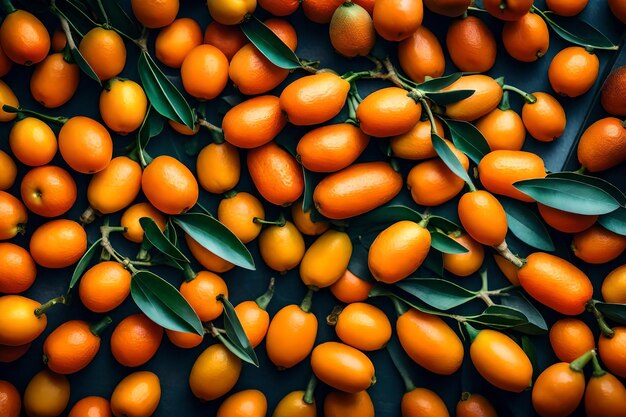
(41, 310)
(310, 390)
(264, 299)
(471, 331)
(579, 363)
(307, 301)
(98, 327)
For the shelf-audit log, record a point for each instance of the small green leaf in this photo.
(442, 223)
(235, 332)
(162, 94)
(156, 124)
(387, 291)
(437, 84)
(438, 293)
(82, 265)
(499, 318)
(358, 262)
(214, 236)
(270, 45)
(615, 221)
(449, 158)
(121, 20)
(159, 241)
(526, 225)
(569, 195)
(578, 32)
(468, 139)
(163, 304)
(615, 312)
(595, 181)
(444, 243)
(518, 301)
(382, 217)
(443, 98)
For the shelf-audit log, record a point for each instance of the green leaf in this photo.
(436, 84)
(386, 291)
(434, 262)
(310, 182)
(121, 20)
(578, 32)
(159, 240)
(615, 221)
(468, 139)
(162, 94)
(526, 225)
(381, 218)
(214, 236)
(569, 195)
(77, 16)
(595, 181)
(499, 318)
(83, 263)
(163, 304)
(449, 158)
(270, 45)
(437, 293)
(442, 223)
(518, 301)
(444, 98)
(358, 262)
(235, 332)
(529, 349)
(615, 312)
(444, 243)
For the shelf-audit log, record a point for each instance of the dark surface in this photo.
(172, 365)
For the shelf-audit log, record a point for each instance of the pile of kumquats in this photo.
(220, 159)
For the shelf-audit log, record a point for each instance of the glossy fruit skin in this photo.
(486, 97)
(343, 404)
(279, 7)
(281, 247)
(32, 142)
(7, 96)
(350, 288)
(526, 39)
(238, 213)
(231, 13)
(320, 11)
(291, 336)
(10, 401)
(104, 286)
(13, 216)
(614, 286)
(18, 323)
(201, 293)
(430, 342)
(276, 174)
(331, 148)
(605, 396)
(58, 243)
(46, 395)
(597, 245)
(9, 173)
(115, 187)
(214, 373)
(130, 220)
(123, 106)
(503, 129)
(396, 20)
(201, 63)
(218, 167)
(398, 251)
(91, 406)
(17, 269)
(612, 96)
(169, 185)
(416, 144)
(135, 340)
(570, 338)
(105, 52)
(423, 402)
(573, 71)
(363, 326)
(137, 395)
(54, 81)
(602, 145)
(471, 45)
(303, 221)
(388, 112)
(483, 217)
(70, 347)
(613, 351)
(342, 367)
(24, 39)
(432, 183)
(314, 99)
(155, 13)
(48, 191)
(293, 405)
(558, 390)
(565, 222)
(246, 403)
(356, 190)
(261, 115)
(228, 39)
(206, 258)
(567, 8)
(514, 9)
(499, 170)
(326, 259)
(555, 283)
(252, 73)
(464, 264)
(421, 55)
(183, 340)
(254, 320)
(450, 8)
(545, 119)
(85, 145)
(176, 40)
(475, 406)
(501, 361)
(352, 30)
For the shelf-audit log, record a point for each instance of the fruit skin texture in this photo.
(281, 247)
(605, 396)
(105, 52)
(137, 395)
(201, 293)
(261, 115)
(10, 401)
(503, 129)
(423, 402)
(303, 221)
(486, 97)
(526, 39)
(501, 361)
(396, 20)
(123, 106)
(567, 7)
(246, 403)
(155, 13)
(214, 373)
(573, 71)
(597, 245)
(9, 168)
(228, 39)
(558, 390)
(201, 63)
(398, 251)
(508, 269)
(58, 243)
(420, 55)
(603, 145)
(238, 213)
(7, 96)
(499, 170)
(130, 220)
(18, 323)
(54, 81)
(363, 326)
(514, 9)
(471, 45)
(70, 347)
(352, 30)
(17, 269)
(13, 216)
(276, 174)
(570, 338)
(483, 217)
(291, 336)
(464, 264)
(331, 148)
(135, 340)
(85, 145)
(450, 8)
(475, 405)
(24, 39)
(356, 190)
(613, 351)
(416, 144)
(326, 259)
(254, 320)
(614, 286)
(342, 367)
(293, 405)
(48, 191)
(104, 286)
(279, 7)
(614, 91)
(432, 183)
(430, 342)
(314, 99)
(183, 340)
(565, 222)
(252, 73)
(545, 119)
(115, 187)
(343, 404)
(46, 395)
(230, 13)
(350, 288)
(175, 41)
(91, 406)
(218, 167)
(388, 112)
(32, 142)
(169, 185)
(555, 283)
(320, 11)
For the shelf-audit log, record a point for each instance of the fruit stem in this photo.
(190, 274)
(391, 75)
(305, 305)
(429, 113)
(505, 252)
(529, 98)
(88, 216)
(582, 169)
(597, 369)
(98, 327)
(104, 13)
(308, 397)
(353, 103)
(409, 385)
(264, 299)
(476, 9)
(471, 331)
(143, 254)
(280, 222)
(332, 318)
(504, 102)
(400, 307)
(604, 327)
(41, 310)
(579, 363)
(210, 126)
(8, 7)
(466, 396)
(58, 120)
(230, 194)
(351, 77)
(425, 220)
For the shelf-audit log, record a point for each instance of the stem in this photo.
(106, 245)
(143, 254)
(88, 216)
(305, 305)
(208, 125)
(476, 9)
(529, 98)
(582, 169)
(429, 113)
(66, 29)
(471, 331)
(597, 369)
(400, 307)
(332, 318)
(484, 280)
(280, 222)
(104, 13)
(58, 120)
(264, 299)
(392, 75)
(425, 220)
(98, 327)
(579, 363)
(505, 252)
(190, 274)
(352, 106)
(504, 102)
(41, 310)
(409, 385)
(355, 76)
(604, 327)
(310, 390)
(8, 7)
(485, 297)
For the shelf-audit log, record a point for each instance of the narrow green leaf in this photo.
(382, 217)
(529, 349)
(444, 98)
(358, 262)
(438, 293)
(386, 291)
(163, 304)
(121, 20)
(595, 181)
(436, 84)
(84, 65)
(578, 32)
(499, 317)
(434, 262)
(159, 240)
(615, 221)
(444, 243)
(270, 45)
(518, 301)
(162, 94)
(235, 332)
(170, 232)
(310, 182)
(83, 263)
(449, 158)
(214, 236)
(77, 16)
(569, 195)
(468, 139)
(526, 225)
(615, 312)
(442, 223)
